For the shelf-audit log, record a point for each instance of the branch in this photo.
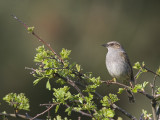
(52, 105)
(113, 105)
(124, 112)
(137, 75)
(154, 103)
(148, 70)
(17, 115)
(72, 83)
(146, 94)
(81, 112)
(128, 87)
(40, 39)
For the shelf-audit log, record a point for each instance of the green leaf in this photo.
(60, 81)
(113, 98)
(158, 91)
(137, 65)
(69, 110)
(78, 67)
(30, 29)
(120, 90)
(57, 107)
(110, 113)
(105, 101)
(136, 88)
(139, 74)
(146, 116)
(119, 118)
(36, 81)
(65, 53)
(62, 94)
(158, 71)
(48, 85)
(17, 101)
(144, 84)
(139, 87)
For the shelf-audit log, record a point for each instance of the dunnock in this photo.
(118, 65)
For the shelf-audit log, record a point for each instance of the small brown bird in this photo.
(118, 65)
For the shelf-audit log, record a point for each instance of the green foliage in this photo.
(58, 117)
(50, 67)
(17, 101)
(146, 116)
(158, 71)
(140, 67)
(61, 94)
(139, 87)
(48, 85)
(78, 67)
(65, 53)
(59, 69)
(120, 90)
(158, 91)
(108, 100)
(104, 114)
(30, 29)
(95, 83)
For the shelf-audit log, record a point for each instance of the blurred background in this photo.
(81, 26)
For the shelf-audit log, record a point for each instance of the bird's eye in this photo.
(111, 44)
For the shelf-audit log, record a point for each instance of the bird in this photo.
(118, 65)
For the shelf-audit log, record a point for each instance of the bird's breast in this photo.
(116, 66)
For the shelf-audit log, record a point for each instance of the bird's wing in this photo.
(126, 59)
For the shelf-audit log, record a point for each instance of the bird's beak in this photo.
(105, 45)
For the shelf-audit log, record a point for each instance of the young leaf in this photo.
(30, 29)
(48, 85)
(137, 65)
(57, 107)
(78, 67)
(158, 71)
(36, 81)
(120, 90)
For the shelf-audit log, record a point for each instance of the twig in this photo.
(125, 86)
(123, 111)
(137, 74)
(154, 103)
(146, 94)
(153, 85)
(113, 105)
(148, 70)
(44, 111)
(79, 118)
(81, 112)
(40, 39)
(17, 115)
(117, 83)
(72, 83)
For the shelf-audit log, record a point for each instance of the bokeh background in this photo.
(81, 26)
